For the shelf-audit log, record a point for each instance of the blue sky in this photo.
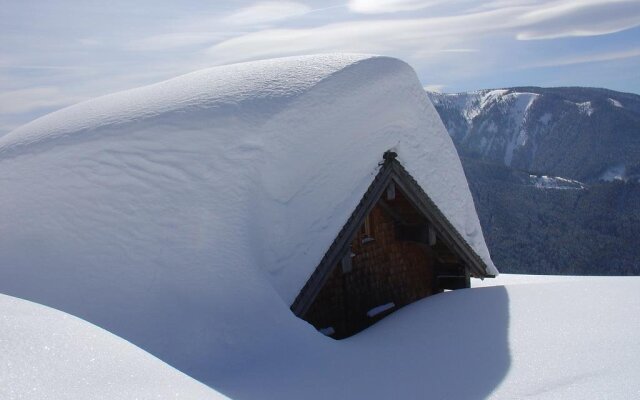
(56, 53)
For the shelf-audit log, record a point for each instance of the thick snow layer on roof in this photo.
(185, 216)
(253, 90)
(47, 354)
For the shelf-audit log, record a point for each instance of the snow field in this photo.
(47, 354)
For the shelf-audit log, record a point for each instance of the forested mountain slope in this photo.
(555, 175)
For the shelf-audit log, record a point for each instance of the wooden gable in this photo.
(395, 248)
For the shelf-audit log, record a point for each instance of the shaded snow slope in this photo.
(47, 354)
(540, 337)
(185, 216)
(571, 337)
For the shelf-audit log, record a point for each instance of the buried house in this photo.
(397, 247)
(192, 216)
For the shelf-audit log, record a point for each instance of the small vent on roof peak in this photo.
(389, 156)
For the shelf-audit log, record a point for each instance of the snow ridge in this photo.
(216, 89)
(512, 105)
(47, 354)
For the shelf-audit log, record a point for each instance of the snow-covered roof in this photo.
(247, 90)
(209, 191)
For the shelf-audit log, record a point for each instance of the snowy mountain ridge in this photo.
(558, 163)
(509, 136)
(578, 133)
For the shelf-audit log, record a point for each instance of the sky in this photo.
(56, 53)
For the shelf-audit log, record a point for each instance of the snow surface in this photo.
(380, 309)
(525, 279)
(555, 182)
(615, 103)
(185, 216)
(585, 108)
(513, 337)
(174, 216)
(571, 337)
(614, 173)
(472, 103)
(546, 118)
(520, 104)
(47, 354)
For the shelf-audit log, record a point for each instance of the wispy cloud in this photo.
(196, 31)
(51, 58)
(434, 88)
(376, 36)
(429, 35)
(459, 50)
(179, 40)
(389, 6)
(579, 18)
(41, 67)
(26, 100)
(495, 4)
(588, 58)
(89, 42)
(266, 12)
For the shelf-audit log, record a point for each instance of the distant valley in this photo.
(555, 175)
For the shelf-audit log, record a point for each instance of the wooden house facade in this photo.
(396, 248)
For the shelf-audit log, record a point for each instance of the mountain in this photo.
(579, 133)
(555, 175)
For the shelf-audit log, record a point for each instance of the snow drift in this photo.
(47, 354)
(185, 216)
(542, 337)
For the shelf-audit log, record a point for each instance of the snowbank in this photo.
(47, 354)
(185, 216)
(541, 337)
(571, 337)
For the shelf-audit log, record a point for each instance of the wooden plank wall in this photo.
(383, 270)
